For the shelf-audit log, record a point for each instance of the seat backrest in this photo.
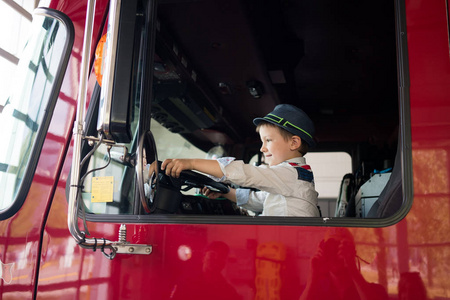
(345, 193)
(391, 198)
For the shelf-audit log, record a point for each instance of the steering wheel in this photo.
(147, 154)
(192, 179)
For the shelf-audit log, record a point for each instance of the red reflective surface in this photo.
(409, 260)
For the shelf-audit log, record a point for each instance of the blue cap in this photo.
(292, 119)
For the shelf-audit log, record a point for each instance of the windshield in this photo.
(173, 145)
(168, 144)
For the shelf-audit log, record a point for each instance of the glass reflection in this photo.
(24, 111)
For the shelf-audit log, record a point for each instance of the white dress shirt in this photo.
(286, 189)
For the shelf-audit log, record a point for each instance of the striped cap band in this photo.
(284, 123)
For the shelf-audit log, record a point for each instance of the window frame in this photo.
(404, 144)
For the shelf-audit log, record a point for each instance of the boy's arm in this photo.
(173, 167)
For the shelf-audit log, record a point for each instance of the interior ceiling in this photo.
(334, 59)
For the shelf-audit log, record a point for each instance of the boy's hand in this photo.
(231, 195)
(210, 194)
(173, 167)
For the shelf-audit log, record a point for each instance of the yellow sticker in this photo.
(102, 189)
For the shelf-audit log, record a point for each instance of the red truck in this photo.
(105, 88)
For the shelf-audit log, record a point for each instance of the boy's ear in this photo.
(296, 142)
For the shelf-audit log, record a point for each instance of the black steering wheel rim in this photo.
(192, 179)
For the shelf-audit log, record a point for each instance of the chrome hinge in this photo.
(124, 247)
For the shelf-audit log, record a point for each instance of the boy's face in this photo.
(274, 147)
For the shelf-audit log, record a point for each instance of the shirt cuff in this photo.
(242, 196)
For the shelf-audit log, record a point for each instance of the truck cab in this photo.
(109, 88)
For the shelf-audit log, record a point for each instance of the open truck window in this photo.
(198, 77)
(26, 114)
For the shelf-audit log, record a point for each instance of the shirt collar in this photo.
(299, 160)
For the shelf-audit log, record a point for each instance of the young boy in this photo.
(286, 185)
